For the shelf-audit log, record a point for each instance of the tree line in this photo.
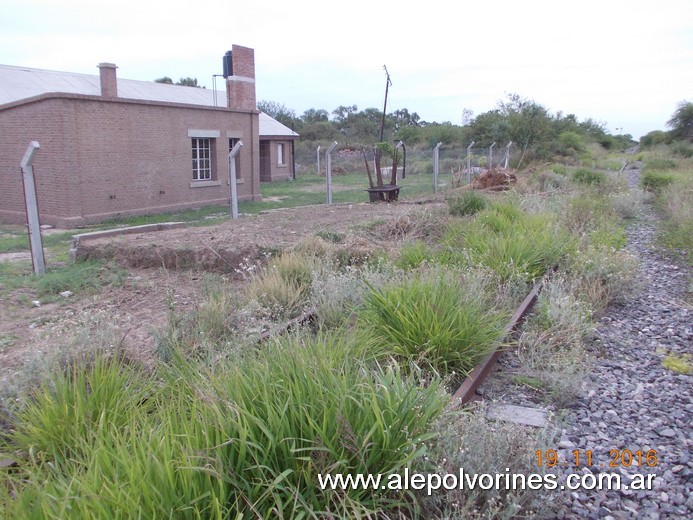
(528, 124)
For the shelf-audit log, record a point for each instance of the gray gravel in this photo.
(631, 402)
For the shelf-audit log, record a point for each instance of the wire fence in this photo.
(352, 178)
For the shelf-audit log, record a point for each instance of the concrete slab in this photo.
(517, 414)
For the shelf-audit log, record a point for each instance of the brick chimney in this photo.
(109, 82)
(240, 84)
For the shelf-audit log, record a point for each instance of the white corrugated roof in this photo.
(17, 83)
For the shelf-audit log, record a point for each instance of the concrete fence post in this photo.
(32, 214)
(328, 175)
(232, 178)
(469, 162)
(318, 160)
(436, 160)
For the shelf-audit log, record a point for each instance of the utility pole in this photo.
(387, 86)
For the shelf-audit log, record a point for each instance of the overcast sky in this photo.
(626, 63)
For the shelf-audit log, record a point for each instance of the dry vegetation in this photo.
(218, 426)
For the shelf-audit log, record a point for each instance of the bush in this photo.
(570, 143)
(682, 149)
(655, 182)
(654, 138)
(431, 321)
(484, 446)
(588, 177)
(468, 203)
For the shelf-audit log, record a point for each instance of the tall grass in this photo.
(431, 320)
(243, 439)
(283, 287)
(515, 244)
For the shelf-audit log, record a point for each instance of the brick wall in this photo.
(104, 158)
(240, 88)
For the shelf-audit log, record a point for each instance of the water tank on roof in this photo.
(227, 63)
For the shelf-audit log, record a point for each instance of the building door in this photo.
(265, 162)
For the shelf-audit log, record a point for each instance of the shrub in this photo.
(584, 212)
(655, 182)
(468, 203)
(430, 320)
(677, 230)
(608, 233)
(551, 347)
(570, 142)
(682, 149)
(588, 177)
(628, 203)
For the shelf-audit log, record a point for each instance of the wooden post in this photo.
(31, 203)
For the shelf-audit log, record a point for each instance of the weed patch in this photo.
(467, 203)
(588, 177)
(432, 321)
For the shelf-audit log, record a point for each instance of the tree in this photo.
(681, 122)
(188, 82)
(278, 111)
(315, 116)
(529, 121)
(185, 82)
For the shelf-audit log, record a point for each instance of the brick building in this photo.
(114, 147)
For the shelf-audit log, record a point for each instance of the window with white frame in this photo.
(202, 159)
(281, 157)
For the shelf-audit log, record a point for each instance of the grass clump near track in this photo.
(247, 438)
(433, 321)
(515, 244)
(468, 203)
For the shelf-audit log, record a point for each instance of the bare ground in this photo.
(165, 269)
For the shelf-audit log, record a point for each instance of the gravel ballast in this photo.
(631, 401)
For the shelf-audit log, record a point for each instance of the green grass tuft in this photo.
(431, 321)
